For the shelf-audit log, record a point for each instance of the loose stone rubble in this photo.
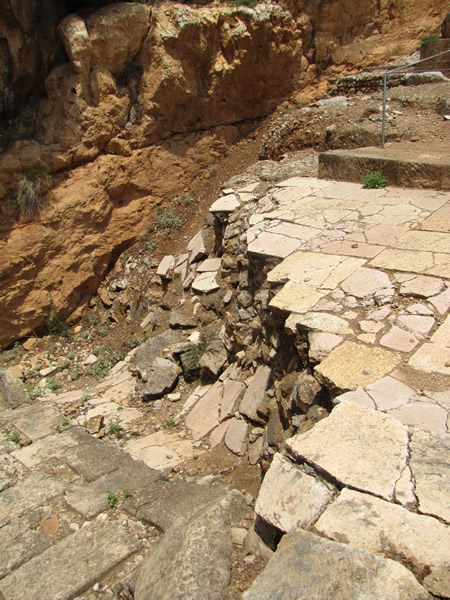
(306, 310)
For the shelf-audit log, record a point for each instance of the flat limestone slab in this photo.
(391, 530)
(289, 498)
(352, 365)
(296, 297)
(160, 450)
(27, 494)
(193, 560)
(323, 271)
(90, 500)
(37, 421)
(306, 566)
(431, 469)
(362, 448)
(426, 263)
(273, 244)
(71, 566)
(19, 543)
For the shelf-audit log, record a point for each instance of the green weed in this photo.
(374, 180)
(193, 354)
(168, 220)
(33, 390)
(170, 422)
(127, 494)
(431, 37)
(113, 500)
(56, 326)
(15, 437)
(115, 427)
(52, 385)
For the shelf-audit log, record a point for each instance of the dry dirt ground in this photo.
(293, 130)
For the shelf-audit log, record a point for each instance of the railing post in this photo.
(384, 110)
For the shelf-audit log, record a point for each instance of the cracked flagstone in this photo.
(373, 449)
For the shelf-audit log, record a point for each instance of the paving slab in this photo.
(37, 421)
(439, 220)
(91, 499)
(373, 449)
(425, 415)
(353, 365)
(296, 298)
(73, 565)
(29, 493)
(160, 450)
(411, 260)
(317, 270)
(193, 560)
(430, 467)
(273, 244)
(308, 566)
(290, 499)
(19, 542)
(391, 531)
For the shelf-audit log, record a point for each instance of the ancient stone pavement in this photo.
(358, 283)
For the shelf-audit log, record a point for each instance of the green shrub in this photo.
(374, 180)
(431, 37)
(56, 326)
(33, 185)
(167, 219)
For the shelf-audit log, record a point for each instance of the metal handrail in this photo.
(397, 70)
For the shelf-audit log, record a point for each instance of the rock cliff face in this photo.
(135, 75)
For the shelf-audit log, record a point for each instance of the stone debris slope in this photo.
(305, 328)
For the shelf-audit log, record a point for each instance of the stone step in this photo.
(407, 165)
(73, 565)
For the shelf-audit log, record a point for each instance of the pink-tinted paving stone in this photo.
(419, 309)
(399, 339)
(359, 397)
(425, 415)
(368, 282)
(349, 248)
(439, 220)
(422, 286)
(442, 301)
(417, 324)
(389, 393)
(383, 235)
(321, 344)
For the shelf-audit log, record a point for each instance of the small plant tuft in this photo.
(168, 220)
(113, 500)
(33, 185)
(374, 180)
(15, 437)
(34, 391)
(115, 427)
(127, 494)
(431, 37)
(56, 326)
